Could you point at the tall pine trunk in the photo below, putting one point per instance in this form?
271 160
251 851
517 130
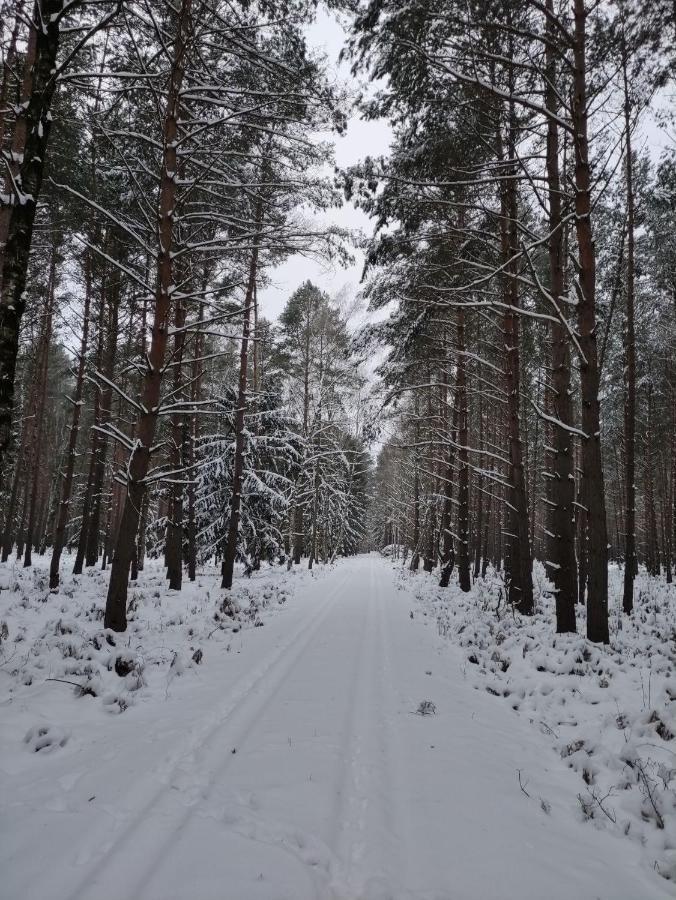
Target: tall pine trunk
561 516
593 492
116 601
31 136
463 459
41 400
629 363
230 550
518 561
67 486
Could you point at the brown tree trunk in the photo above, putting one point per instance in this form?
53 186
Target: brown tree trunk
652 555
41 400
561 516
94 439
8 531
518 562
196 393
116 601
8 73
298 514
230 549
592 465
21 531
415 547
317 451
463 459
671 510
629 364
448 551
478 525
31 136
174 533
105 413
67 486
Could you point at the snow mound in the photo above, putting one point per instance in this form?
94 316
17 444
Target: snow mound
44 738
59 637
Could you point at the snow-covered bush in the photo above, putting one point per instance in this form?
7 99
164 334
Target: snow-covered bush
610 710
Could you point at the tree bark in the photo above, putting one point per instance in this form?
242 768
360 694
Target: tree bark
196 392
230 551
463 459
448 550
518 563
629 362
41 399
116 601
174 533
592 466
113 285
67 486
31 138
561 518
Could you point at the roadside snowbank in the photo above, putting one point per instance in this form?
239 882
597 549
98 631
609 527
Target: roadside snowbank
59 637
610 712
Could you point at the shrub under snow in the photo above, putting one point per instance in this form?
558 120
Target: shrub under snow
610 711
60 636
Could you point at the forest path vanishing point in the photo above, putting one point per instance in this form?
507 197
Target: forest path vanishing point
300 768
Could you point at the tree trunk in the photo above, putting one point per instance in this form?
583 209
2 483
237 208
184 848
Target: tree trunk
105 413
518 563
174 534
231 541
561 516
592 465
94 440
629 364
41 400
8 70
478 525
67 487
652 555
448 551
415 551
317 451
9 531
116 601
463 459
196 389
31 136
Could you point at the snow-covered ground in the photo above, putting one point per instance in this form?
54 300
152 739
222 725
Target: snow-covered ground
292 761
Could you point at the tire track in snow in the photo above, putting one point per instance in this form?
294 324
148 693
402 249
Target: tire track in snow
399 773
366 836
111 865
346 821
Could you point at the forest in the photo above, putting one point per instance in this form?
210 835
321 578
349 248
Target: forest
481 433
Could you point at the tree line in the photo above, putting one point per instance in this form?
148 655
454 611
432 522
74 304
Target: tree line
160 159
524 254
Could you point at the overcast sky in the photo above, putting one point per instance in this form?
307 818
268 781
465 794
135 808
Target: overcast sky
361 139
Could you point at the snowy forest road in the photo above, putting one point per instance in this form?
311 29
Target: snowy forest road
301 770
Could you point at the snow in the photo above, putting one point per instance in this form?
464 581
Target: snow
609 712
293 760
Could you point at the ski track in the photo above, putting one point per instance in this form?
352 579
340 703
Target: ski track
219 735
336 790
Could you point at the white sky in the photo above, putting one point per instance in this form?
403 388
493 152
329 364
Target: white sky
361 139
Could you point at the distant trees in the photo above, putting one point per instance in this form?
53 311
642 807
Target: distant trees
504 320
